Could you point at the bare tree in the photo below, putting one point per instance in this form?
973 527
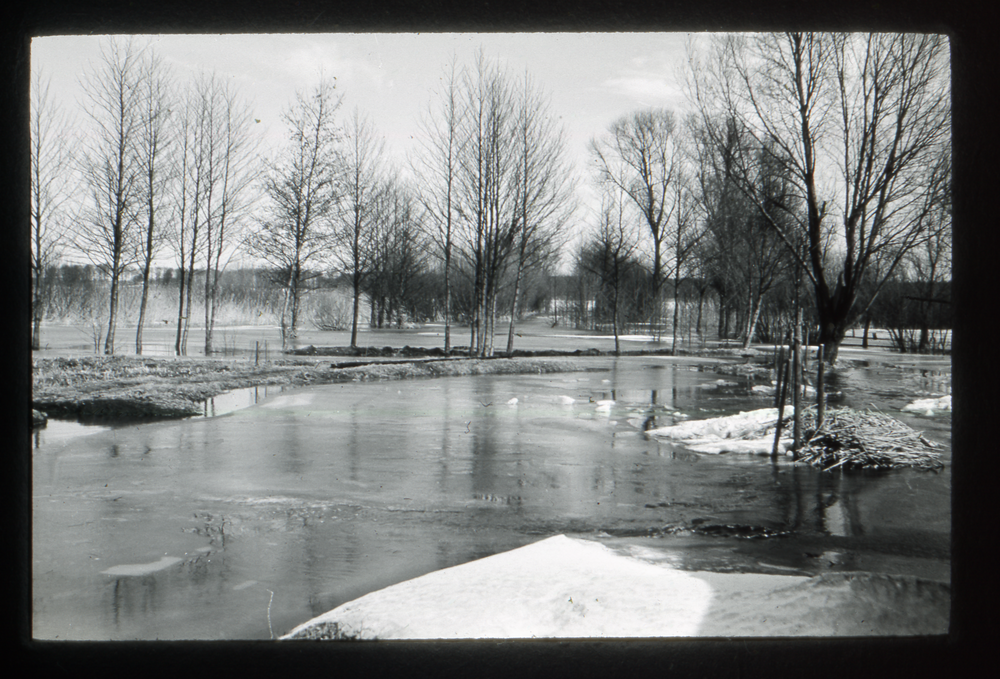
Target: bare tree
108 234
362 164
229 149
744 253
51 156
640 156
438 164
487 191
610 252
685 237
303 188
544 201
188 162
151 141
866 111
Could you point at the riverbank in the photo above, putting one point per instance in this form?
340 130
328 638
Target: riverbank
96 388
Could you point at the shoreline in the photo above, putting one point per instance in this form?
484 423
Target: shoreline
128 388
110 389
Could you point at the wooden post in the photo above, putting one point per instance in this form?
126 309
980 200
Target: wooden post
820 389
256 353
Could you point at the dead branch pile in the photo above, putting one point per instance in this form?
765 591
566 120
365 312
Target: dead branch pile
870 439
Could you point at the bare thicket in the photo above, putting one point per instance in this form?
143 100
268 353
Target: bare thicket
640 155
398 254
229 149
510 195
741 253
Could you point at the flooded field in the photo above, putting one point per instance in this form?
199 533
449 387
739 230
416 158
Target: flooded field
286 504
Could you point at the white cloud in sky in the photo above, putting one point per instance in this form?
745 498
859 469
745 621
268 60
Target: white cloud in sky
650 79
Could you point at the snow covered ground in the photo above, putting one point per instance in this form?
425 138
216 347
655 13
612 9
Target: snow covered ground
568 587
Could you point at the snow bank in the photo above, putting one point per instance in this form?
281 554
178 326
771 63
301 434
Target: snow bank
732 426
927 406
725 434
565 587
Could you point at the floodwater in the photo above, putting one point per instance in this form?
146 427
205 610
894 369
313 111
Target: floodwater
286 504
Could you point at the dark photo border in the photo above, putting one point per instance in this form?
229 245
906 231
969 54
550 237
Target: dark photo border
973 29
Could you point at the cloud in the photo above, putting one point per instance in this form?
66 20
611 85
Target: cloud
650 79
645 88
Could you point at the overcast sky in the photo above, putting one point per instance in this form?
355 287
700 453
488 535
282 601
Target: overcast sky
592 78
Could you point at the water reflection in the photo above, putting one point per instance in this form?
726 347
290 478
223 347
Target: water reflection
283 511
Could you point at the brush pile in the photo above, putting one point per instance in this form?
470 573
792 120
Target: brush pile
869 439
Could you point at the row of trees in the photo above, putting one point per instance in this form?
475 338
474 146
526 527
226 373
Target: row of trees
809 163
809 159
174 170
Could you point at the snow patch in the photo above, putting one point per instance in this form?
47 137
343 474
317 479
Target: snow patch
559 587
726 434
732 426
927 406
567 587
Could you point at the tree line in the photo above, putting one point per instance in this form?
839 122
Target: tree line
810 171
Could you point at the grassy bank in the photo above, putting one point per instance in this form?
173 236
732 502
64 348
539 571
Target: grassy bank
137 388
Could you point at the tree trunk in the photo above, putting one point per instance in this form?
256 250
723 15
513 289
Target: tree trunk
673 342
36 314
180 310
187 316
109 339
447 298
142 309
751 325
513 311
356 313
